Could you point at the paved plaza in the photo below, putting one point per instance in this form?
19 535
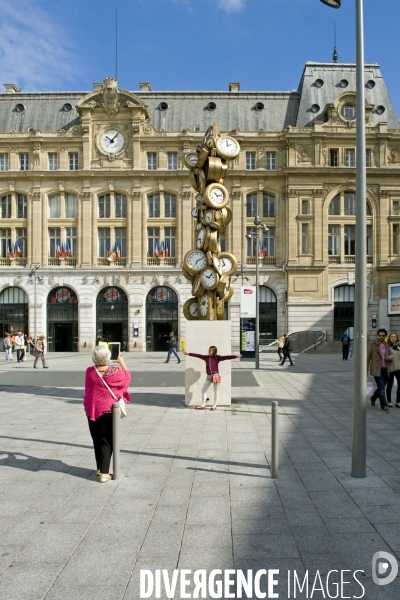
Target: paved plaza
195 489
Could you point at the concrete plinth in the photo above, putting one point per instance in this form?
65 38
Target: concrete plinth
200 335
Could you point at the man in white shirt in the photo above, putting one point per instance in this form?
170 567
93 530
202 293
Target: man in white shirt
20 343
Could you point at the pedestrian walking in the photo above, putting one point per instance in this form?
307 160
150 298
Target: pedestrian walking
393 367
212 361
346 341
8 346
39 351
280 341
172 343
287 350
376 365
20 345
30 344
104 385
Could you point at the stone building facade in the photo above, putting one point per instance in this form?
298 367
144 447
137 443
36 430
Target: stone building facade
83 175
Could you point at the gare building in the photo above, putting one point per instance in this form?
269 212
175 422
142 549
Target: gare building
94 191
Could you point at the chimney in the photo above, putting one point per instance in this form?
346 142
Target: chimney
234 87
98 86
11 88
145 87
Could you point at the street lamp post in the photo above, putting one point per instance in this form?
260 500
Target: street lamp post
359 450
34 277
254 234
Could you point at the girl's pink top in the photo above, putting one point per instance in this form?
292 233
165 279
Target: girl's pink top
97 400
212 362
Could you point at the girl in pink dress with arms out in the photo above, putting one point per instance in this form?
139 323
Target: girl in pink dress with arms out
212 361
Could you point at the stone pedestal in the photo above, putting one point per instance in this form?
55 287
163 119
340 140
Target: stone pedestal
200 335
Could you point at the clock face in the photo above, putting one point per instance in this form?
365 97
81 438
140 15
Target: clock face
228 147
200 238
196 285
196 260
217 265
209 278
194 211
217 196
226 265
112 141
193 309
208 217
204 305
199 226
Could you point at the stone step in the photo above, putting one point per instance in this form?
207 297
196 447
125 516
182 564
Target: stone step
334 347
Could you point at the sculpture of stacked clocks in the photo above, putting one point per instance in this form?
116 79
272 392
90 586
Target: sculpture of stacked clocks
209 269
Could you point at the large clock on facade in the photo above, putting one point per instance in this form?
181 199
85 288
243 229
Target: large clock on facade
111 141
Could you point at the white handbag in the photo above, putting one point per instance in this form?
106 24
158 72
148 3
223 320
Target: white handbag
120 402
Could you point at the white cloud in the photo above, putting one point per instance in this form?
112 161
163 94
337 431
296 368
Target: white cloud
230 6
36 51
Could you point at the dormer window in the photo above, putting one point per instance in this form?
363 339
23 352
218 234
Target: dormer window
349 112
343 83
319 83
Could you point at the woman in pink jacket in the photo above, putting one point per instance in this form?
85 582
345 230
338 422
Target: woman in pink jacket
212 361
98 401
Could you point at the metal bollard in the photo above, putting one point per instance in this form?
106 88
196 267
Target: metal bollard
274 444
116 419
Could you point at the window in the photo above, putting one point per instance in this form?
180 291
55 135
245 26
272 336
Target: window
120 206
71 206
70 238
3 162
334 207
222 241
268 245
22 202
55 207
5 207
120 239
250 160
54 241
395 207
5 242
268 206
172 160
153 206
304 238
53 161
304 207
170 241
104 207
153 242
368 158
349 203
20 238
350 240
271 161
334 158
396 245
369 240
350 156
151 161
103 234
349 111
334 240
23 162
73 161
170 206
252 205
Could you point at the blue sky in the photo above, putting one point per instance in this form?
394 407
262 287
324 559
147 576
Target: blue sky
187 44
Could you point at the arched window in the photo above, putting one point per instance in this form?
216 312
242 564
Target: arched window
252 205
55 206
342 232
71 206
345 204
153 206
120 206
104 206
268 205
169 206
22 203
349 111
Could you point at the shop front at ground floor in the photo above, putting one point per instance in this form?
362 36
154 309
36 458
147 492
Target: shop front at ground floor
75 311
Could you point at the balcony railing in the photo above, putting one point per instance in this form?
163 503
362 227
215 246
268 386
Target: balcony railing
262 260
17 262
161 262
348 259
69 261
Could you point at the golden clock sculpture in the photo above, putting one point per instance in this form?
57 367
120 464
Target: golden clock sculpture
207 268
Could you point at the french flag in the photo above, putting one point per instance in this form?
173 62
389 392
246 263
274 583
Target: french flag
108 250
264 248
117 249
166 249
17 250
257 245
58 249
162 249
156 249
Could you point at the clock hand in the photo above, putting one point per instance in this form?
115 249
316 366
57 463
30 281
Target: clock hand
110 140
114 136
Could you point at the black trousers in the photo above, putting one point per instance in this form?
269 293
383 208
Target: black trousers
390 385
346 349
101 431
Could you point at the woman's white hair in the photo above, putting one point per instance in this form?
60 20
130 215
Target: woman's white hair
101 355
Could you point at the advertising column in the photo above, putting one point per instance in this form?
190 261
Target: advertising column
248 321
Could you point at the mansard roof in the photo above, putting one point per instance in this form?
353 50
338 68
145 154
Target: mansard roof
191 110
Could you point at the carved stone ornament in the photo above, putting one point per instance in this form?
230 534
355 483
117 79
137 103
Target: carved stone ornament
293 193
186 194
11 184
385 193
110 98
61 132
85 194
373 190
394 155
318 193
76 130
304 154
328 189
147 129
135 128
85 129
95 163
135 194
236 194
35 195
